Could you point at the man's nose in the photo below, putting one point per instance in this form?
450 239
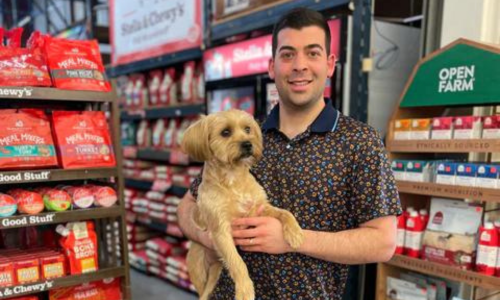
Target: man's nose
300 63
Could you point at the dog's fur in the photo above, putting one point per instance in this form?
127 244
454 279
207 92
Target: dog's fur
229 143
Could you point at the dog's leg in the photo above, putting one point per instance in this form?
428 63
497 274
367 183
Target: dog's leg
197 267
213 277
291 229
234 263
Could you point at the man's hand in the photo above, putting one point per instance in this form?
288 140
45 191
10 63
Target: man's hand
260 234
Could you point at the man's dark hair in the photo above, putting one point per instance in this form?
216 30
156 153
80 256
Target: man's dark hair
299 18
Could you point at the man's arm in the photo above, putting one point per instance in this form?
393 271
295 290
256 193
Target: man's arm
186 221
373 241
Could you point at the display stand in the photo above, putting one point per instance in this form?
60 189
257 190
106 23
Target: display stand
113 257
426 96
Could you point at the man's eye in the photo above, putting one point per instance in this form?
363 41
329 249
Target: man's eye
225 133
314 54
287 55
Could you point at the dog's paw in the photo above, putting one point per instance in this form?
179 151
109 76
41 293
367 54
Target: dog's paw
293 235
245 291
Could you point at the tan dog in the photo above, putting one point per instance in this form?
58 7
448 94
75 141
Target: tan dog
229 143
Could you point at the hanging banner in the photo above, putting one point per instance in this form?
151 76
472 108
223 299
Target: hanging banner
463 73
251 57
143 29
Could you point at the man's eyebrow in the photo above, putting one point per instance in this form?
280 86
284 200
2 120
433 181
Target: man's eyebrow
311 46
285 47
314 46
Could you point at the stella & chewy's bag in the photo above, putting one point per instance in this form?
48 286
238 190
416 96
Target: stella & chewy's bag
83 139
76 65
23 66
79 242
25 139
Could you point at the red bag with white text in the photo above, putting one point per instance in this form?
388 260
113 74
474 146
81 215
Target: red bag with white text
25 139
79 242
83 139
23 66
76 65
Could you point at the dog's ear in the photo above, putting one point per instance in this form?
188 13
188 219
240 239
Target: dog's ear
258 136
195 140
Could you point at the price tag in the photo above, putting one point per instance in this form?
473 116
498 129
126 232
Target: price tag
130 152
160 185
177 157
137 112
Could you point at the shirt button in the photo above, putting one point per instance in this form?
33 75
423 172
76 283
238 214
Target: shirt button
289 146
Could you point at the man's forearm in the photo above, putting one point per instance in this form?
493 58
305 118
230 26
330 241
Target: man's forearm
357 246
186 223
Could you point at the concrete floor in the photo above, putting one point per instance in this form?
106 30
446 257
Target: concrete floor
146 287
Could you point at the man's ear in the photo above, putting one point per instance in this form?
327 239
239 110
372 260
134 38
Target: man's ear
195 142
271 68
331 64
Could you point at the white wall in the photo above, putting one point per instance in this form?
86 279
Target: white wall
385 85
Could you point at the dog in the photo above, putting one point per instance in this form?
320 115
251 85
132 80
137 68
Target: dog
228 143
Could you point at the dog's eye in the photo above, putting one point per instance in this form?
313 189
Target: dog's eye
226 132
247 129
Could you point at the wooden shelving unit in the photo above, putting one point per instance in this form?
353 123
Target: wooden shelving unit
182 110
113 256
428 102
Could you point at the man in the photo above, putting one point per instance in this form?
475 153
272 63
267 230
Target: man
329 170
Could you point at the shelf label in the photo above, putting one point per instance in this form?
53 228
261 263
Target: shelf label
22 289
24 177
455 145
28 220
16 92
161 185
130 152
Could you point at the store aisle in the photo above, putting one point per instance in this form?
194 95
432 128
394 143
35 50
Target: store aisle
146 287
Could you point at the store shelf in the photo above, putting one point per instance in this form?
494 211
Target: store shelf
59 217
455 274
39 93
155 62
164 112
266 17
145 185
174 157
32 288
449 191
444 146
47 175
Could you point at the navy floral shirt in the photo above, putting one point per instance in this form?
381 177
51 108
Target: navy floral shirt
332 177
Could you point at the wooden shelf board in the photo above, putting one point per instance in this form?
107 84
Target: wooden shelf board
45 218
444 146
449 191
148 185
46 93
32 288
45 175
448 272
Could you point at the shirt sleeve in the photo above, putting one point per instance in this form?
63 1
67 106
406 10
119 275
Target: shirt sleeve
375 193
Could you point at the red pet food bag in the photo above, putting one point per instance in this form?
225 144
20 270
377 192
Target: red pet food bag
76 65
83 139
23 66
79 242
25 139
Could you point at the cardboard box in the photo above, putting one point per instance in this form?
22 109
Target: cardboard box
466 174
450 249
402 129
442 128
398 169
468 127
487 176
418 170
446 173
420 129
491 127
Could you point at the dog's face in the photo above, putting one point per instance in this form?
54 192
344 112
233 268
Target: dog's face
230 137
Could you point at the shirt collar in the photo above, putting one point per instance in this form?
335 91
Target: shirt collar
325 122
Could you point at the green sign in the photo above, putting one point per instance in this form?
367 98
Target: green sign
464 74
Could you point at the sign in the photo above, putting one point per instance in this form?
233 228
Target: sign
143 29
13 177
251 57
464 73
27 220
25 289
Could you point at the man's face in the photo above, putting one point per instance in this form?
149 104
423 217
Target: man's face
300 66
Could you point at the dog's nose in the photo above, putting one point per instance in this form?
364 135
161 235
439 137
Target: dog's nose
246 146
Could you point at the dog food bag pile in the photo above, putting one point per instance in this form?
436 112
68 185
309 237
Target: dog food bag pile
139 260
107 289
76 65
137 236
165 257
30 265
79 242
83 139
25 140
